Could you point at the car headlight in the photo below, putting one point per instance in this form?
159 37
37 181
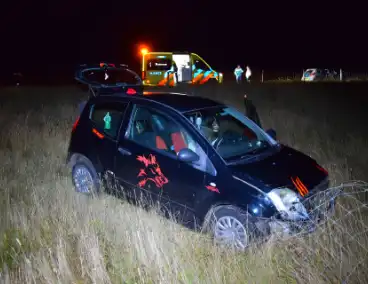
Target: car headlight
288 204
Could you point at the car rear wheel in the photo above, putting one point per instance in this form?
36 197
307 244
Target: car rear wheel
230 227
85 177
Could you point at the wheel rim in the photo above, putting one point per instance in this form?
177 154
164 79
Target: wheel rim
83 180
229 231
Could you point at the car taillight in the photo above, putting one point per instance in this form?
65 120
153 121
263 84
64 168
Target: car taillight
143 75
75 124
102 64
131 91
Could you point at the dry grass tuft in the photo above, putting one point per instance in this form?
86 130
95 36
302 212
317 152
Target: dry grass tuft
49 234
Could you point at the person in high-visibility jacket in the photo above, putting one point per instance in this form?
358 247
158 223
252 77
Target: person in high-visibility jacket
238 72
173 70
248 73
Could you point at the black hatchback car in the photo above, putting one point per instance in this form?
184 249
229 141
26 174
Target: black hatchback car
197 157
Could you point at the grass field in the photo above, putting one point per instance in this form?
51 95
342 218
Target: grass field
49 234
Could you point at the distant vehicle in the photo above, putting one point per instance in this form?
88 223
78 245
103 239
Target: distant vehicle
202 160
191 69
315 74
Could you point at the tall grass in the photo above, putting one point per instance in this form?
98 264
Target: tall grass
50 234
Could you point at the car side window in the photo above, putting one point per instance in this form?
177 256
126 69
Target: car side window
107 117
153 129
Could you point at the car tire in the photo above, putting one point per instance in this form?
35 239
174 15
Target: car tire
212 82
230 227
85 177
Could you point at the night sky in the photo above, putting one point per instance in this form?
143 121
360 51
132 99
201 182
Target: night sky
54 36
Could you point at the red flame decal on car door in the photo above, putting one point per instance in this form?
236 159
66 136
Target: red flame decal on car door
151 172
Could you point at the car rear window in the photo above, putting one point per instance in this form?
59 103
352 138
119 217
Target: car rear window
107 117
158 64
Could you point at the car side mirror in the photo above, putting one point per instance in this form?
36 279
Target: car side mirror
272 133
188 156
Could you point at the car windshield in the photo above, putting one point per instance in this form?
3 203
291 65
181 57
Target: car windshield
309 72
231 133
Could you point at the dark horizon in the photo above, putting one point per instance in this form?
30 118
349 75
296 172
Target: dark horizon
41 37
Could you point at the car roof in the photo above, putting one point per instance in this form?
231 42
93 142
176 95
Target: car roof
178 101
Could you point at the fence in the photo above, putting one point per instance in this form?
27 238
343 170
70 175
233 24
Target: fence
267 75
341 75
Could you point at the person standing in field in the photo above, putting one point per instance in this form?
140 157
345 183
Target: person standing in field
248 74
238 72
174 71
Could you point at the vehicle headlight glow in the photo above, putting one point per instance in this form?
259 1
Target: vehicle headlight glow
288 204
220 77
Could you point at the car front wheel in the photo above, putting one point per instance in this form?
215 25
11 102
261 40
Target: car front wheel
230 227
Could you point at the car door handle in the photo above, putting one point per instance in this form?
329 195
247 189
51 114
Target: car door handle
124 151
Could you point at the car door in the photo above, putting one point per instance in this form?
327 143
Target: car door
138 164
147 160
105 121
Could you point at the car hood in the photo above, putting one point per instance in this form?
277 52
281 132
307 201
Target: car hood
285 168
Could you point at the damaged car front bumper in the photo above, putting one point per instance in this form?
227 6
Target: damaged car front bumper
320 207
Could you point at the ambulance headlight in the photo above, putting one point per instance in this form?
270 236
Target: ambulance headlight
220 77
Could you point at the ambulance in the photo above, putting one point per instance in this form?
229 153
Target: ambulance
158 69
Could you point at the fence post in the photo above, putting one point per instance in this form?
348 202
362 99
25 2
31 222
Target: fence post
340 74
262 76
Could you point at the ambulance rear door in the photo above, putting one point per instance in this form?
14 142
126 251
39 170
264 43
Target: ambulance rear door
183 63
